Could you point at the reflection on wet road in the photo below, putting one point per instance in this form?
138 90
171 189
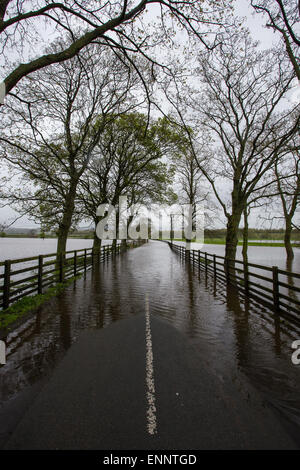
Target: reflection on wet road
236 338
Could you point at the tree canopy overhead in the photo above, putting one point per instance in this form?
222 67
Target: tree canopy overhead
27 25
283 16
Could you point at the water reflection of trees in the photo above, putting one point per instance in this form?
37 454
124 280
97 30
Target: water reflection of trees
115 289
244 310
240 323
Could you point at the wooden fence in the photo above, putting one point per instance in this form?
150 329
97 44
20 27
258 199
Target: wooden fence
271 286
28 276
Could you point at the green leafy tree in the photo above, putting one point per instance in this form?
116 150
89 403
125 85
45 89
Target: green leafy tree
50 136
128 161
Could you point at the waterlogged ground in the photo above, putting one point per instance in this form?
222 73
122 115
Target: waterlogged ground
265 255
14 248
240 341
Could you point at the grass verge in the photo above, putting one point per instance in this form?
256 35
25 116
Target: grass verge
218 241
27 304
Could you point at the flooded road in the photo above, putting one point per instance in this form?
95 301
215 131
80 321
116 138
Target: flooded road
240 342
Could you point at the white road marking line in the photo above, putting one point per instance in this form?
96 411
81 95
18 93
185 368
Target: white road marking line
151 411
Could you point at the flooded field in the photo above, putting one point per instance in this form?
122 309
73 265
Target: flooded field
265 255
12 248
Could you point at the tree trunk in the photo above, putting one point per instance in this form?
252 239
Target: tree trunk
233 223
291 280
66 222
233 220
62 239
287 239
189 229
232 235
96 243
245 237
129 220
115 240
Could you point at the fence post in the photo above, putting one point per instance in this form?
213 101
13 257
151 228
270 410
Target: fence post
275 287
40 275
205 262
61 267
215 267
75 262
6 287
84 260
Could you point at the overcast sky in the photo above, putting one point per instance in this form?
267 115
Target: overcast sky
256 25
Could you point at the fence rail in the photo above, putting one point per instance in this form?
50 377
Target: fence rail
28 276
271 286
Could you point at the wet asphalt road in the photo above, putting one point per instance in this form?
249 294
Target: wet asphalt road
96 399
97 395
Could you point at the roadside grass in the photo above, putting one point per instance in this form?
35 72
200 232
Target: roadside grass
219 241
27 304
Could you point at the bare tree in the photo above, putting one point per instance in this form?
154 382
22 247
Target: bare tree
239 107
192 187
117 24
287 172
283 189
283 16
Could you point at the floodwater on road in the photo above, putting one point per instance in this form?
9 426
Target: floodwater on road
240 340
